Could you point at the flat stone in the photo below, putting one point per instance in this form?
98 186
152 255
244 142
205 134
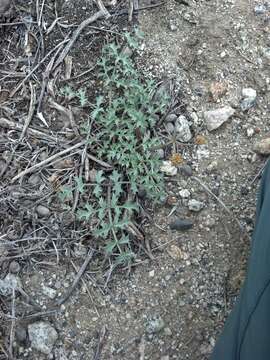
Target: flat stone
42 336
181 224
215 118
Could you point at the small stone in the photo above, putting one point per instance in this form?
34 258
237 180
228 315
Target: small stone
155 326
42 336
160 153
184 193
181 224
186 170
168 168
9 283
14 267
42 211
213 166
49 292
167 331
263 147
249 98
172 26
250 132
176 253
215 118
182 129
223 54
170 127
217 90
171 118
195 205
34 179
260 9
20 334
152 273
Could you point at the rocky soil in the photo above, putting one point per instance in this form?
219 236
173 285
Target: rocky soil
172 306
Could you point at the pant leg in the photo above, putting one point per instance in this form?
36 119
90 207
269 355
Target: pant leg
246 335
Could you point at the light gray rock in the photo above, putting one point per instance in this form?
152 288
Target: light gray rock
168 168
171 118
154 326
14 267
42 336
182 129
195 205
42 211
215 118
249 98
49 292
9 283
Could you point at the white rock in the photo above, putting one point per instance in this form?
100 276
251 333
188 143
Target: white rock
182 129
42 336
250 132
195 205
50 292
168 168
215 118
9 283
184 193
249 93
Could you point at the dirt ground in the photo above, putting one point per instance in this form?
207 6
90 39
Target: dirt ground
172 306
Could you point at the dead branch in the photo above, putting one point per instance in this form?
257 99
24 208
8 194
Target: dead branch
99 15
77 278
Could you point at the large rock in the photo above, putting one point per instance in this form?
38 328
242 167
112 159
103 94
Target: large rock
42 336
263 147
215 118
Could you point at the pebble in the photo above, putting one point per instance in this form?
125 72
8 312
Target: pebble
249 98
170 127
42 211
168 168
154 326
186 170
9 283
172 27
42 336
262 147
184 193
20 334
152 273
181 224
167 331
182 129
34 179
215 118
250 132
176 253
14 267
195 205
260 9
49 292
171 118
160 153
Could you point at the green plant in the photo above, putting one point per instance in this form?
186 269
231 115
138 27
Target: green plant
123 124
